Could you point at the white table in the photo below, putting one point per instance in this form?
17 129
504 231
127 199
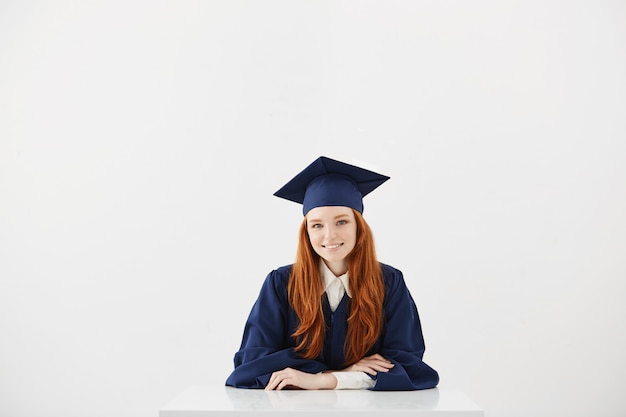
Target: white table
221 401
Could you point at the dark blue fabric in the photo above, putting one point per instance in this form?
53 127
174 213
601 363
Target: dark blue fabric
267 345
328 182
332 190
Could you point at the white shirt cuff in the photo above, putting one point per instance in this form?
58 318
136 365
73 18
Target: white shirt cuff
353 380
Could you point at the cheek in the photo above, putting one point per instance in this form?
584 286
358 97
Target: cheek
313 238
353 234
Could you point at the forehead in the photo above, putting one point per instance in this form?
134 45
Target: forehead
329 212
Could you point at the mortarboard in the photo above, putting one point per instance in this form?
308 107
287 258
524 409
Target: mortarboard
327 182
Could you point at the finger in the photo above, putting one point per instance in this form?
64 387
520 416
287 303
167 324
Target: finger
377 366
382 365
379 362
378 359
375 356
369 370
373 367
280 383
283 384
271 384
364 368
274 380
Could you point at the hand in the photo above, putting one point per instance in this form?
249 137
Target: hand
292 378
372 365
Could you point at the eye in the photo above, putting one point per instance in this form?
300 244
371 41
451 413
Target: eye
342 222
316 226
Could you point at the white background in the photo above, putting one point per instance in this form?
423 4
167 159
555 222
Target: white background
141 142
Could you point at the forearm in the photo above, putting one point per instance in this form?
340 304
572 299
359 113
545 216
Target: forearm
293 378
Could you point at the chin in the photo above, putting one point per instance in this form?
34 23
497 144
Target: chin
334 258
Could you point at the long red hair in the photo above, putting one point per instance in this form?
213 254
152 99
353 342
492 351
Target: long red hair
366 307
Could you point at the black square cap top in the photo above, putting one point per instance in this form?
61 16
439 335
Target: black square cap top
328 182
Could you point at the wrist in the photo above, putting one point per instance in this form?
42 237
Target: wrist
329 381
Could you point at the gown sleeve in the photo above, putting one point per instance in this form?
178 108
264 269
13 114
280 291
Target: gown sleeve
402 340
266 346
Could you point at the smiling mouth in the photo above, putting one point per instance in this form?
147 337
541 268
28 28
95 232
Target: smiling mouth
332 246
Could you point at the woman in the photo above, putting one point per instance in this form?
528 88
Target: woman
336 318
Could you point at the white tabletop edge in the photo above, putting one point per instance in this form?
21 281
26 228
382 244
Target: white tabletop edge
222 401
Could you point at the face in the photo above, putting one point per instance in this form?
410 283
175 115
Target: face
332 232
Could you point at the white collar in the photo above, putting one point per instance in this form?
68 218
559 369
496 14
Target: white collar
329 277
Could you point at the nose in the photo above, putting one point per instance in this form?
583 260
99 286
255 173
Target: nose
329 232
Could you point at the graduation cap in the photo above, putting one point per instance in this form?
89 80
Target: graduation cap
327 182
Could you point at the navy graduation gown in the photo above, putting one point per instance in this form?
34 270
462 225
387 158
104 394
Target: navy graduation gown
267 345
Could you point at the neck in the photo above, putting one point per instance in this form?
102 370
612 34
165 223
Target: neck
337 268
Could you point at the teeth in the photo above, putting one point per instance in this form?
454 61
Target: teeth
332 246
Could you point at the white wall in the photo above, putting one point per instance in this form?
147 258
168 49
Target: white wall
141 142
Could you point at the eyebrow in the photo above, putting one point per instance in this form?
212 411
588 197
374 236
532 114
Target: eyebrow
319 220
